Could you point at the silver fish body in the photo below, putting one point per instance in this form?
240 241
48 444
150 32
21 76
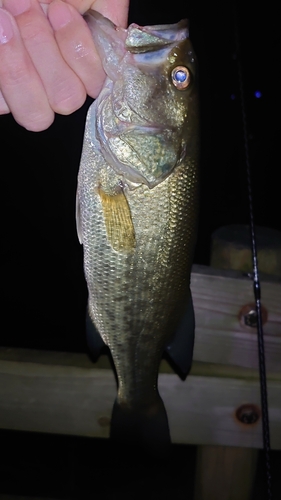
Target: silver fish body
137 203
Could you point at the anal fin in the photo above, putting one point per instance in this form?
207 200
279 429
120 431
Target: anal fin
94 341
180 348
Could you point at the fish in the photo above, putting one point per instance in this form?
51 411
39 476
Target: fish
137 210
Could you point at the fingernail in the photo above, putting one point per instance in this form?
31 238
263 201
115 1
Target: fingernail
17 7
6 28
59 15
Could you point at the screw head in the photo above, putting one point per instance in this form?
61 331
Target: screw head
248 414
250 319
248 316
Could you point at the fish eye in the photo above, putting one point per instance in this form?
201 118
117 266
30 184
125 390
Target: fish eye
181 77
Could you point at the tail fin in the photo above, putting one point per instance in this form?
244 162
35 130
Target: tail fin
146 427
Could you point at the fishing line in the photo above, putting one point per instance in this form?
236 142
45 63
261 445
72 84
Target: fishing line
255 274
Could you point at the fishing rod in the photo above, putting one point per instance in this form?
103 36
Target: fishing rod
255 268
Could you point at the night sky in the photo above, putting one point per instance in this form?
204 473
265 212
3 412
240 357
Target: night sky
41 260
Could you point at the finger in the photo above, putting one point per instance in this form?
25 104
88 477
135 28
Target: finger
76 45
44 7
115 10
4 108
64 89
19 82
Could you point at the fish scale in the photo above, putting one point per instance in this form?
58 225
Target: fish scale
137 224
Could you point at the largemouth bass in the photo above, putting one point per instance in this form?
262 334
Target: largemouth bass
137 210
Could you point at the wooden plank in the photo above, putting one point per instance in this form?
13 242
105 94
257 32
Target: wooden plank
231 249
221 337
77 400
82 360
225 473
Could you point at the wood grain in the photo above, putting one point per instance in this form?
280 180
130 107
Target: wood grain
76 399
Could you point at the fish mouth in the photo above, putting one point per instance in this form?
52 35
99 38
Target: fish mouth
142 39
138 41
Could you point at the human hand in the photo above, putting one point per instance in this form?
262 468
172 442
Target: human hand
48 60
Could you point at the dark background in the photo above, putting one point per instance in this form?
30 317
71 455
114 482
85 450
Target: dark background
43 289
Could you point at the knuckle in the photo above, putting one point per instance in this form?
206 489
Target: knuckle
36 32
15 76
69 101
14 72
38 122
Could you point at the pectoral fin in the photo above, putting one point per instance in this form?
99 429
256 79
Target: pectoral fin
118 221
